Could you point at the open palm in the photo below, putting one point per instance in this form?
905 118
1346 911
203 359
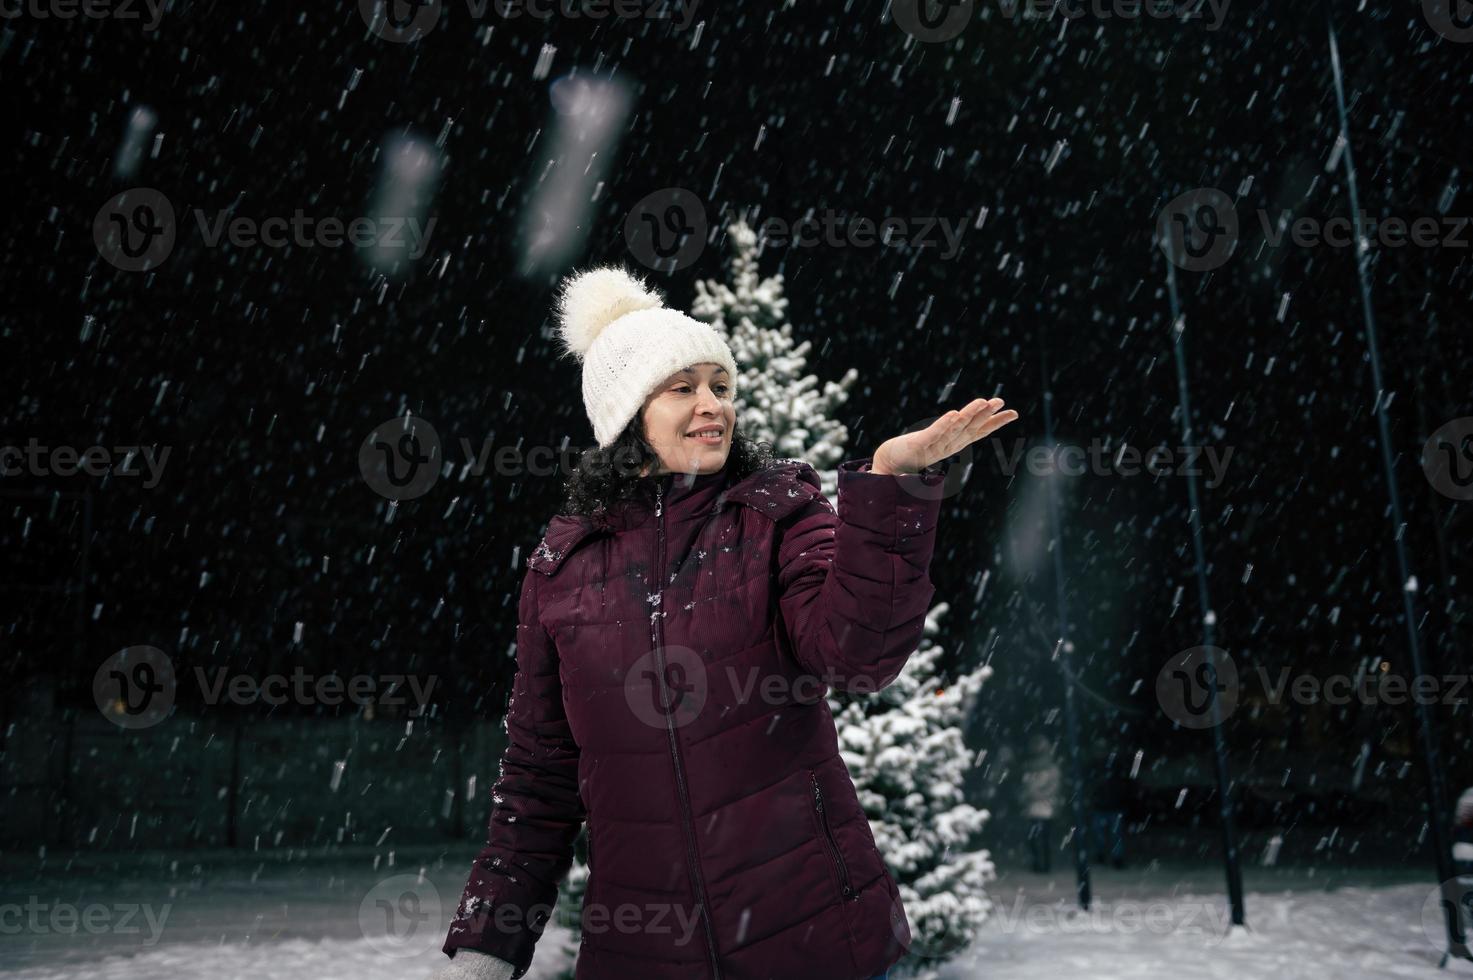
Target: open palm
949 434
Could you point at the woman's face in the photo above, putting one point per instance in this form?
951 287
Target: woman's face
689 401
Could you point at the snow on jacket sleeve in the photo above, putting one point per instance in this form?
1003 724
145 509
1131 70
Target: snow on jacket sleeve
855 586
537 811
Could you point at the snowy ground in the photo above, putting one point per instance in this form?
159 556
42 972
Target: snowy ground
1339 935
346 919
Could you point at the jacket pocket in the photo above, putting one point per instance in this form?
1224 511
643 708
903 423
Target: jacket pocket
826 836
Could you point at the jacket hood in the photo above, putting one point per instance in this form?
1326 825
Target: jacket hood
776 491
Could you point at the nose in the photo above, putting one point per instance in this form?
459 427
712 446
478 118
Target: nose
708 403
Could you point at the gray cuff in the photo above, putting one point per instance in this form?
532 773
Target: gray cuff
468 964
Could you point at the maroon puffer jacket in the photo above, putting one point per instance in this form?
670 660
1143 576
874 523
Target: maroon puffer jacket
672 666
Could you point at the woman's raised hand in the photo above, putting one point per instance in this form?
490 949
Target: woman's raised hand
951 433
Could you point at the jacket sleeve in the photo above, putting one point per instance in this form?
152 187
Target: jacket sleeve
855 585
536 810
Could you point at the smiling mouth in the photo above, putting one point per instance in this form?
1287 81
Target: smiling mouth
706 435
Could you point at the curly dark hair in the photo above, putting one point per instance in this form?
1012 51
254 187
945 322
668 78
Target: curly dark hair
610 477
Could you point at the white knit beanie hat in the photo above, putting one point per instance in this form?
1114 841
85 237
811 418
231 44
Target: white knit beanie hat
628 343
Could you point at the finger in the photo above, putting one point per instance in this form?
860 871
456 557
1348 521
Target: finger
959 419
982 408
983 419
958 428
980 405
972 417
996 422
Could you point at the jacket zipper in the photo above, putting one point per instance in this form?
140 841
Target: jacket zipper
656 637
828 839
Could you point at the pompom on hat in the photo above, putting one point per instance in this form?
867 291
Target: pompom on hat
1464 813
628 342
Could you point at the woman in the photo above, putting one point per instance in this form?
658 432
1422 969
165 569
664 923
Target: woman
679 624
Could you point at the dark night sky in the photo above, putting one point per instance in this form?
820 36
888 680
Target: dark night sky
264 368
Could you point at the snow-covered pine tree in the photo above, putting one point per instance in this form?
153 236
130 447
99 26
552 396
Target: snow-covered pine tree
904 750
564 929
778 401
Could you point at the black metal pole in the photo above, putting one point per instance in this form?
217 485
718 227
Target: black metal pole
1426 729
1231 862
1064 649
232 799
